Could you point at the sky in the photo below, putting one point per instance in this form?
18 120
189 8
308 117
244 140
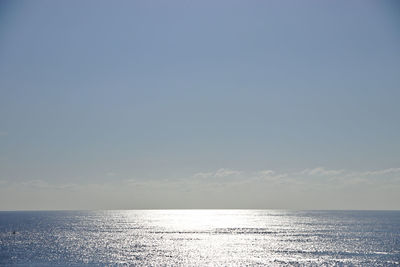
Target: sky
199 104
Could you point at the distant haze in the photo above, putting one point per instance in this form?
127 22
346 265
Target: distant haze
199 104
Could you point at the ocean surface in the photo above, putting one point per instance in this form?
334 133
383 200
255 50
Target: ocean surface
200 237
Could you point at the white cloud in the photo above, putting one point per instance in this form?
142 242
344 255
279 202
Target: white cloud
226 172
266 173
203 175
381 172
321 171
271 176
217 174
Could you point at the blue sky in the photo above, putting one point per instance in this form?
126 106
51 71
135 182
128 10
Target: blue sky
101 93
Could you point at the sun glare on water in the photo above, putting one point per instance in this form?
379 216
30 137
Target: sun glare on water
199 220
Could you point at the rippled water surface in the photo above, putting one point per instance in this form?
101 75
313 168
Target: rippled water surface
200 237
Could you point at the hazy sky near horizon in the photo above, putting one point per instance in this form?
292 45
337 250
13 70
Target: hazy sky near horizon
199 104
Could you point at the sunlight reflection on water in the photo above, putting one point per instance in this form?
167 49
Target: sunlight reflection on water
200 237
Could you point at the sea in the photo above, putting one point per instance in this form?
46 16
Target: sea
200 238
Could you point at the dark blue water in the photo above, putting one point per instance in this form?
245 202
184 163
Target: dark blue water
200 237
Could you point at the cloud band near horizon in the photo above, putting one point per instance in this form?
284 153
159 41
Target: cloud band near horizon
313 188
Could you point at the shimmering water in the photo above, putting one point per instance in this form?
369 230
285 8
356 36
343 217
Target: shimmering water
200 237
